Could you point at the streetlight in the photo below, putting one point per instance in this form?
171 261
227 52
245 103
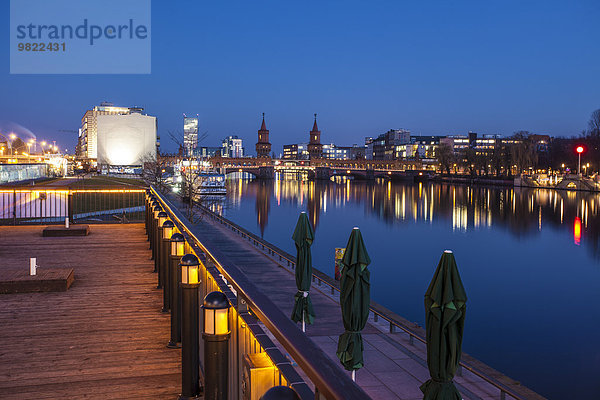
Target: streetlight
216 345
190 340
579 150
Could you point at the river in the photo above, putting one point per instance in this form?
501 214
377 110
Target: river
529 260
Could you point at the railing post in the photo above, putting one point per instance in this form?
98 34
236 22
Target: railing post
70 207
14 207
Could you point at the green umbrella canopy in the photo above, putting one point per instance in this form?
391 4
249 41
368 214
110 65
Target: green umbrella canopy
445 307
355 300
303 237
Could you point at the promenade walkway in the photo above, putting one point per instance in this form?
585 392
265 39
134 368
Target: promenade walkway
102 339
394 368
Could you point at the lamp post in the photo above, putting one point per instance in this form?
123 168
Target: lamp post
161 218
216 335
190 346
167 231
177 251
579 150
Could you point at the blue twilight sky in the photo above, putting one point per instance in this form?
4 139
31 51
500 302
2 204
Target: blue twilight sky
434 67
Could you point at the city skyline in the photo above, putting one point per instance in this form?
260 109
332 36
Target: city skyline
434 69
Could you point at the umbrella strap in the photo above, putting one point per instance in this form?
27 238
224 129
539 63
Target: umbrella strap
442 381
353 331
304 293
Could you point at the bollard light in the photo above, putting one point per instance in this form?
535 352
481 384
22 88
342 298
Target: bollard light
177 244
216 335
189 269
156 208
167 231
162 217
177 251
190 340
168 228
216 310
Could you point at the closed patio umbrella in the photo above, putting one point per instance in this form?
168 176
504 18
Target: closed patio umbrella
355 299
303 237
445 307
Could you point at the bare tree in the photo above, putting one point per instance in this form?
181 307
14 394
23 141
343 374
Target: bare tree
190 187
445 157
594 124
153 170
523 153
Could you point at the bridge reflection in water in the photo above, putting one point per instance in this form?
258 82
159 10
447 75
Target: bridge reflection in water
519 210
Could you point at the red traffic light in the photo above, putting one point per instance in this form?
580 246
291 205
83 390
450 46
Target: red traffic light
579 149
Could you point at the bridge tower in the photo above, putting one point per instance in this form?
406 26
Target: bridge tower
315 148
263 147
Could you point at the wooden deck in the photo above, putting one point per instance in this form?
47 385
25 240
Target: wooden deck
104 338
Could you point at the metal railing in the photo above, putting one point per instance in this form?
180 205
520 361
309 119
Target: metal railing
255 319
47 206
282 257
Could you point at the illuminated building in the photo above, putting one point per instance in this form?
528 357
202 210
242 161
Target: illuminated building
315 148
232 147
190 134
87 146
125 139
263 147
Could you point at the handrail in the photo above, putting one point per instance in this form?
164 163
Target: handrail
321 277
328 378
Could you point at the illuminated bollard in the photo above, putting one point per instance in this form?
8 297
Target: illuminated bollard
156 208
167 231
216 335
161 218
147 201
280 393
177 251
190 346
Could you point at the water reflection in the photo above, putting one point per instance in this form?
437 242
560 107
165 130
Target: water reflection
521 211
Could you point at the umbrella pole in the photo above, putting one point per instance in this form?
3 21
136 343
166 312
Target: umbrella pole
303 323
354 375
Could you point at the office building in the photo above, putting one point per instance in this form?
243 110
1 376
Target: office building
87 145
125 139
232 147
190 135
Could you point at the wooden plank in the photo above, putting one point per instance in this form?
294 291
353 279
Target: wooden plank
103 338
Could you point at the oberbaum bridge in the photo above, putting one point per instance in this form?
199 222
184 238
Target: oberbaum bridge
108 291
315 167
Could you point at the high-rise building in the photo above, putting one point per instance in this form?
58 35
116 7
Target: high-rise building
232 147
263 147
315 148
190 135
87 145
